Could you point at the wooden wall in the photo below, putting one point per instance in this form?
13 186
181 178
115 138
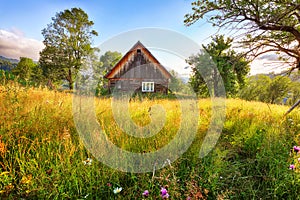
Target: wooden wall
138 69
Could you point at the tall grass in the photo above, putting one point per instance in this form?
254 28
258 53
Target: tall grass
42 156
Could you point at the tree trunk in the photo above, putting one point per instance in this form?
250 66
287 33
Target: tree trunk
70 80
215 80
50 84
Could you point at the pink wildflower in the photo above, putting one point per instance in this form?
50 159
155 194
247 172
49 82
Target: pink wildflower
292 167
146 193
164 193
296 149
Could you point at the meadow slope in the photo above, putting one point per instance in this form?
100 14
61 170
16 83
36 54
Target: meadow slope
42 156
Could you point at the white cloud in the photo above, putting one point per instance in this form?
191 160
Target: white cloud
13 44
268 64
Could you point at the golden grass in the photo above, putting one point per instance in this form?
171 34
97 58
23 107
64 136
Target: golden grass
38 135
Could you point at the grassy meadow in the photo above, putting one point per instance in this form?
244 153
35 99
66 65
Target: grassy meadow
42 156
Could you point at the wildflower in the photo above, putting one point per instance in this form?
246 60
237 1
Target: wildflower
292 167
109 184
296 149
166 196
146 193
117 190
164 193
88 161
298 159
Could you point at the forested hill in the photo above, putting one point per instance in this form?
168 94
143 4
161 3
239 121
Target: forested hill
7 63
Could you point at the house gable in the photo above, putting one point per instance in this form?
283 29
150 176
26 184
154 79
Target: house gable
129 61
138 70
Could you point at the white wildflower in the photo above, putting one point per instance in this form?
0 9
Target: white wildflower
117 190
88 161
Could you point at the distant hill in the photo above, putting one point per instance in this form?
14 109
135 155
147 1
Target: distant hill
11 60
8 64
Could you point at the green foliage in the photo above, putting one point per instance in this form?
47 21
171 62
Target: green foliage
232 67
110 59
24 68
177 85
279 88
67 43
294 93
264 23
263 88
197 81
6 76
107 62
256 88
28 72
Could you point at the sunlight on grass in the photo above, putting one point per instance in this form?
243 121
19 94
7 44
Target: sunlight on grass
41 155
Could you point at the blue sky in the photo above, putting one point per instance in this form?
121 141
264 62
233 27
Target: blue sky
29 17
23 20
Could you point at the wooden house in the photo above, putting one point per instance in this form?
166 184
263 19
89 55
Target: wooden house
138 71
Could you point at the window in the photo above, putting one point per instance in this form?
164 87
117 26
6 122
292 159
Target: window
147 86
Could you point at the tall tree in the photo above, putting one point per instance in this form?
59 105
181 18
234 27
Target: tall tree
67 43
265 25
109 59
198 80
230 65
107 62
24 68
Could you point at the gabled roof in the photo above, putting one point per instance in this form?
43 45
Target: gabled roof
133 49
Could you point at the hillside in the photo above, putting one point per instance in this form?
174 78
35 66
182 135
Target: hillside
42 155
7 64
11 60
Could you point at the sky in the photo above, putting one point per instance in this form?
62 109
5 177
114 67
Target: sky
23 20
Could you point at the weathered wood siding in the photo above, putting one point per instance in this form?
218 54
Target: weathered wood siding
134 70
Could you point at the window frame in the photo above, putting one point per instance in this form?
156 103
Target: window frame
148 86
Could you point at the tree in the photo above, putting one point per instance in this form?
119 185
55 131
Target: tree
256 88
177 84
197 81
37 76
294 95
278 89
263 88
110 59
231 66
28 71
24 68
266 26
67 43
107 62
